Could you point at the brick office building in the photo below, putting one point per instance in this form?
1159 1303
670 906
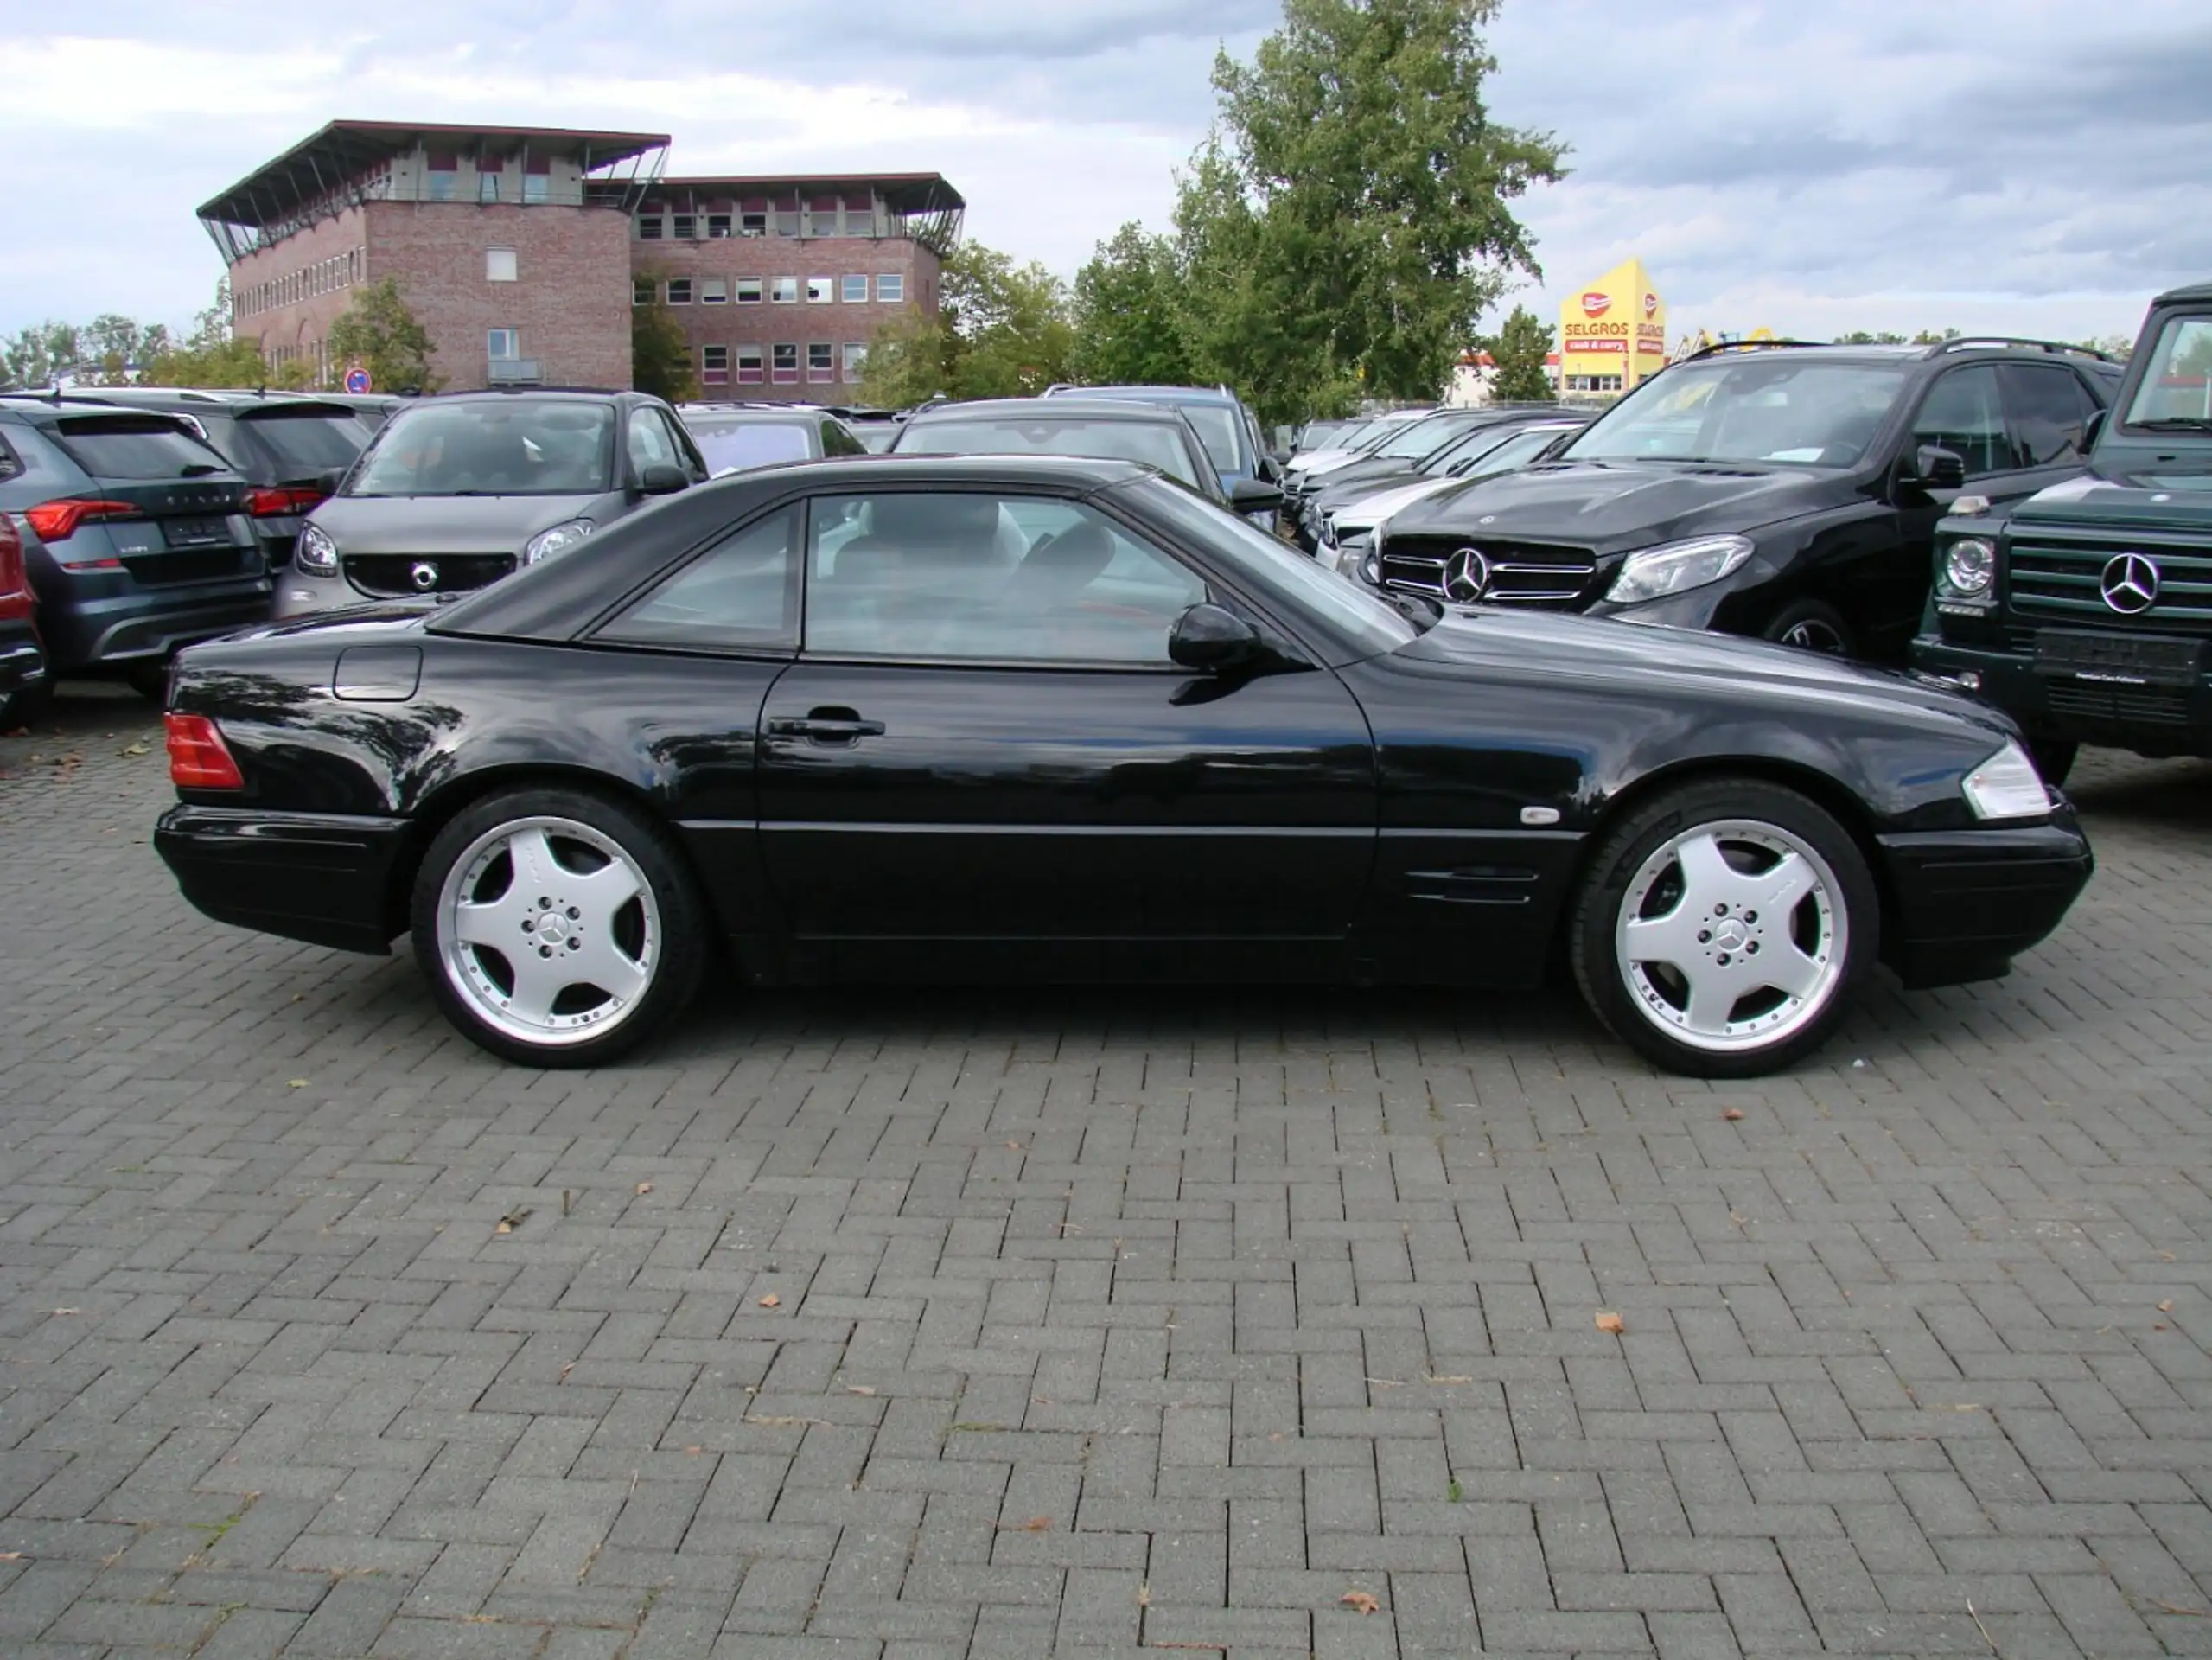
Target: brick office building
521 251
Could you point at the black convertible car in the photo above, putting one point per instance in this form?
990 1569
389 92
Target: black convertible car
1027 718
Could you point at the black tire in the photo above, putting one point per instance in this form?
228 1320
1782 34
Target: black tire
1814 625
26 708
149 680
677 962
2054 759
1596 956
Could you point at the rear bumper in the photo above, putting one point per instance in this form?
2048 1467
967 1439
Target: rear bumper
1968 901
324 878
150 624
22 658
2149 720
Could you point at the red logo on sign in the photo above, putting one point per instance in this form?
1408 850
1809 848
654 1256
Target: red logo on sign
1595 304
1651 305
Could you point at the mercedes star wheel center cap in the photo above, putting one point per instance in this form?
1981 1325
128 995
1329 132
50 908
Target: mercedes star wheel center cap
2130 584
1466 575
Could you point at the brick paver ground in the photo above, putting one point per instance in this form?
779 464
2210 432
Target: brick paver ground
1005 1324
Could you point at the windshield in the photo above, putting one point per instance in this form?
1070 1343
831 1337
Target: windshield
1280 573
1516 448
1415 439
135 446
2176 383
1155 442
734 446
877 437
310 442
505 448
1763 406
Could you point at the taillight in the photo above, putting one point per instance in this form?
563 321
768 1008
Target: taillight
16 602
272 501
57 521
198 757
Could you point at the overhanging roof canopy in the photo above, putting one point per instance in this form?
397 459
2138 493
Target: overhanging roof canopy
903 193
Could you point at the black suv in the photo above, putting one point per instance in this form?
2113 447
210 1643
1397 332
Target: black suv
2084 610
1784 490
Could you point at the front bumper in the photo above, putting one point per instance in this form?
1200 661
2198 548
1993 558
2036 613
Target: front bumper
2152 720
324 878
1968 902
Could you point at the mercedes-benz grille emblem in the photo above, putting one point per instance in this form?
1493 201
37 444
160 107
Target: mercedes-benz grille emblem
423 575
2130 584
1466 574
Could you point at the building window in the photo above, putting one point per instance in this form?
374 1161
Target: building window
536 187
784 291
753 223
488 186
820 291
648 227
714 365
714 291
856 290
717 227
502 345
749 290
856 358
440 169
498 264
679 291
787 219
821 362
686 227
890 288
642 291
784 367
748 366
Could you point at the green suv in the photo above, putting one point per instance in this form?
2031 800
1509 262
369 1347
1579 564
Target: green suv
2083 610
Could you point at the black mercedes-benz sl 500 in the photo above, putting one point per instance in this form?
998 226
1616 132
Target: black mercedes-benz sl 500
1024 719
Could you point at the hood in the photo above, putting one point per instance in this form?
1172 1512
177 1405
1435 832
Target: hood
1324 460
1366 512
1647 660
1613 506
444 524
2158 492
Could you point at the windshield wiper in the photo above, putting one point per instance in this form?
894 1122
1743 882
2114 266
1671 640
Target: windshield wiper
2176 424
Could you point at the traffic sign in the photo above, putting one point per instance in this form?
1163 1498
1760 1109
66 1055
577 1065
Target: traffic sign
357 378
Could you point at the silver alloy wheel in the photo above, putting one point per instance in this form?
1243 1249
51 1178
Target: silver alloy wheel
1732 936
1812 633
548 930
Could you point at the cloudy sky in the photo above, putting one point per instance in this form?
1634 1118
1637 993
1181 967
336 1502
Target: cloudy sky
2022 165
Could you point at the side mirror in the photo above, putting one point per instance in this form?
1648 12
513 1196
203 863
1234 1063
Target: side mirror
1255 495
2096 425
1937 468
662 478
1210 638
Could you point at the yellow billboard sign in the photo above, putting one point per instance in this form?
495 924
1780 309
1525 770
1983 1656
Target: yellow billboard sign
1616 326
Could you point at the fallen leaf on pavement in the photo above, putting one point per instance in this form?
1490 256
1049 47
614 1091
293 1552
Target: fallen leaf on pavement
2166 1307
1608 1321
859 1389
1733 1113
771 1302
645 1187
1361 1600
134 749
296 1083
1036 1524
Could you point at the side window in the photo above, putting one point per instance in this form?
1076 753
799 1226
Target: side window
2050 409
11 465
650 444
988 578
742 594
836 441
1963 414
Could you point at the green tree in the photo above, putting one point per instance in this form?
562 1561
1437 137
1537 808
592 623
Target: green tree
212 354
660 352
34 356
1371 189
1130 314
378 330
1861 337
1519 349
1000 330
1930 337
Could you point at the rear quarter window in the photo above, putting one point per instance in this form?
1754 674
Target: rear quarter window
135 447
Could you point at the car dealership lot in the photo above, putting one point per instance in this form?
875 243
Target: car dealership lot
957 1322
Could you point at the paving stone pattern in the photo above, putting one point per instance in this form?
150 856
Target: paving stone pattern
941 1324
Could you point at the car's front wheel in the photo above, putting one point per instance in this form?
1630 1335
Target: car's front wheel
1724 927
558 928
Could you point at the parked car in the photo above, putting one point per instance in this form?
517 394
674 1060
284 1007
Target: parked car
1044 719
1159 435
735 438
2084 610
1224 425
374 408
1346 447
1348 525
456 492
291 451
1781 490
1408 450
133 531
23 654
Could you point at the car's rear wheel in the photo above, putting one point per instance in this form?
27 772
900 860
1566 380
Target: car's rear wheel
25 708
558 928
148 680
1724 928
1814 625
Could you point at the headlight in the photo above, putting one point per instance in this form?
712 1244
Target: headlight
315 552
559 539
2006 786
1352 553
1677 567
1970 564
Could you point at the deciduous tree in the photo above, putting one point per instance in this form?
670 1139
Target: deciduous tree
379 330
1130 327
660 352
1519 349
1000 330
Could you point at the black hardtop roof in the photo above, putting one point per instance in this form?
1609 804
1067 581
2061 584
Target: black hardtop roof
1060 407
